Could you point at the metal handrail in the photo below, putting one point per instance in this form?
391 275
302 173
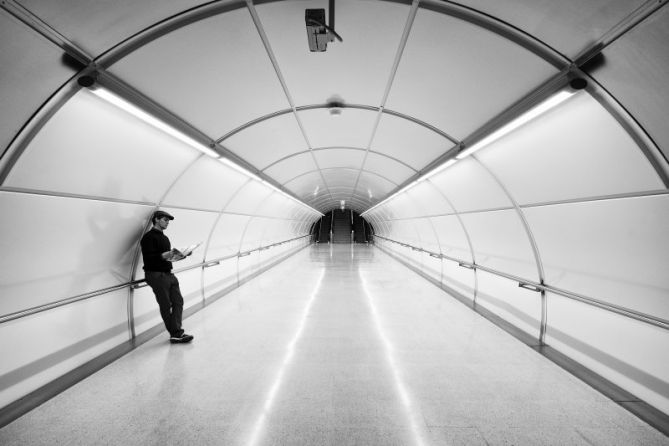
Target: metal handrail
535 286
133 284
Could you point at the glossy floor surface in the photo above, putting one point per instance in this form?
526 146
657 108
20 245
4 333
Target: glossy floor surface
338 345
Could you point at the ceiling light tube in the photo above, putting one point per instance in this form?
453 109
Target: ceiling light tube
541 108
128 107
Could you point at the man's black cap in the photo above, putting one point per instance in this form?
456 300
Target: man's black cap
161 214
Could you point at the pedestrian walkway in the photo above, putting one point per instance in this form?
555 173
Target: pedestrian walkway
338 345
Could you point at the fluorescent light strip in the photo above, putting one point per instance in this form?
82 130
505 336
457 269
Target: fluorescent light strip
121 103
251 175
543 107
126 106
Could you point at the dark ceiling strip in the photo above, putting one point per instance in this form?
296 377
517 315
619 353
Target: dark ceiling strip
499 27
166 26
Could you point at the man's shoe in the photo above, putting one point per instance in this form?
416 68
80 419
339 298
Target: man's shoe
184 338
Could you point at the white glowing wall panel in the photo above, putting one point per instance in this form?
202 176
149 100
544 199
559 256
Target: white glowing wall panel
226 237
613 250
252 237
459 279
470 187
219 277
206 184
505 298
576 150
429 200
190 283
47 345
249 199
630 353
501 242
57 248
101 150
452 237
428 238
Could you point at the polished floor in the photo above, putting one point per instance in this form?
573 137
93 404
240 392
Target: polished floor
338 345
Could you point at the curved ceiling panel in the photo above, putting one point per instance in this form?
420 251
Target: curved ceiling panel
98 26
267 141
290 167
209 86
408 142
352 128
306 186
390 168
548 20
339 157
348 70
635 72
35 64
456 76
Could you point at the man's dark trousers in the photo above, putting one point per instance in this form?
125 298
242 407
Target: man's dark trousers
166 288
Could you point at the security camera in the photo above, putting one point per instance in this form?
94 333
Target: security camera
318 33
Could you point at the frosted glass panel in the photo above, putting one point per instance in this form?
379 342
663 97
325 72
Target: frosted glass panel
227 236
190 283
613 250
47 345
500 242
429 200
630 353
470 187
505 298
101 150
219 277
452 238
249 198
543 161
459 279
428 239
72 247
207 184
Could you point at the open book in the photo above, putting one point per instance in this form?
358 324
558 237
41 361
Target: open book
180 254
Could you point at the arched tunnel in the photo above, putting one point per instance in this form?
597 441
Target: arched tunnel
415 221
